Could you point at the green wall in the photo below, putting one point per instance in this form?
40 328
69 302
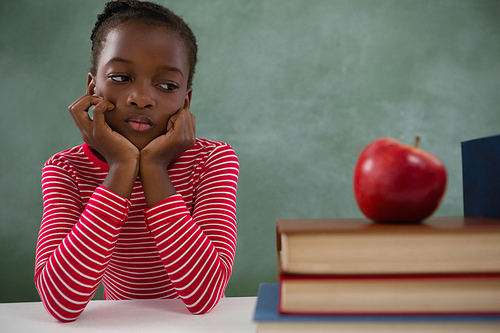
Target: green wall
298 88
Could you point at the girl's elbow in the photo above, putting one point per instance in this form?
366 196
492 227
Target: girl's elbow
203 308
63 317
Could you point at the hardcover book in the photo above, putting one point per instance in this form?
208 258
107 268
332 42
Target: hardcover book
269 319
352 246
391 294
481 183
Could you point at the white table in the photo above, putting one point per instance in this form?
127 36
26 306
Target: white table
232 314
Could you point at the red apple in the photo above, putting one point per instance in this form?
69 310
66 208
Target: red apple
396 182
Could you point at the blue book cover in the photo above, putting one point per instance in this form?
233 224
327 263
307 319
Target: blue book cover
266 310
481 177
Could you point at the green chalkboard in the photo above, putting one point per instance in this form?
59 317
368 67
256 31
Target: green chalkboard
297 87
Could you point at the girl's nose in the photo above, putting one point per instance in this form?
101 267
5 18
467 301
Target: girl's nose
141 97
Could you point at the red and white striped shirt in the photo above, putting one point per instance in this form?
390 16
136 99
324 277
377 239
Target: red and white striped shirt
183 247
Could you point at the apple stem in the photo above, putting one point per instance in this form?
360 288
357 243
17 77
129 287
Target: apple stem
417 141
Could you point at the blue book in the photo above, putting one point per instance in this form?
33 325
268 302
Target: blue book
481 177
269 319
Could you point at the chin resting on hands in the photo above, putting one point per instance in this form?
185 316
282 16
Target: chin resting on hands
179 137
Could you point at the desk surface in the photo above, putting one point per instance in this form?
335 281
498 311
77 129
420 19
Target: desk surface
233 314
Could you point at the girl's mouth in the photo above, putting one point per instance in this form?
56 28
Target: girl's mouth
139 123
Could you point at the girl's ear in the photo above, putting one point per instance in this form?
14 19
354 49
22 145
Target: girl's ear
90 84
187 99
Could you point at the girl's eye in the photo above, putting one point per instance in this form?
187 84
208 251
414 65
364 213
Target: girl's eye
120 78
168 86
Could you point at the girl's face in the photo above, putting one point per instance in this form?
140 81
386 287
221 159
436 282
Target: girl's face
143 71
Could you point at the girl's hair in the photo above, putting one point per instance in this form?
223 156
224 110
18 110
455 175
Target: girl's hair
121 11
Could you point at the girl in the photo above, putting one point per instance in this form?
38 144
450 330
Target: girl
143 205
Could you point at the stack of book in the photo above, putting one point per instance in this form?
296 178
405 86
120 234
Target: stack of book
445 267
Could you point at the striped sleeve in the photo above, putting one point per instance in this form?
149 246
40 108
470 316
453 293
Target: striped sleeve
74 244
198 249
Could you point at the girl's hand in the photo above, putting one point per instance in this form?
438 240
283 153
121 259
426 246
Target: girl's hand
157 155
120 154
179 137
114 147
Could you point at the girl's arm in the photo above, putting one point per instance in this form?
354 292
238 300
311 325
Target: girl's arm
197 249
156 156
74 244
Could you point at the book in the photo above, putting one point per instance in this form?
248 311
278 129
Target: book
391 294
481 184
269 319
353 246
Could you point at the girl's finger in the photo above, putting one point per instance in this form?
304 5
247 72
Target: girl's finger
99 110
193 122
77 101
84 103
78 111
